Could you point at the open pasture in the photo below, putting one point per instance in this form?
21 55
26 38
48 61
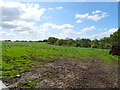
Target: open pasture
22 57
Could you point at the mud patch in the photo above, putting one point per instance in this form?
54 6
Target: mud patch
64 74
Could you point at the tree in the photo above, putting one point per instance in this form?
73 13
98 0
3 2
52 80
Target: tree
52 40
95 43
45 40
70 42
7 40
103 43
115 38
60 42
83 43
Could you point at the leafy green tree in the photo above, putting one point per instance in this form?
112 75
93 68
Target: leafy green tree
77 43
103 43
60 42
107 46
105 40
7 40
52 40
83 43
70 42
95 43
115 38
45 40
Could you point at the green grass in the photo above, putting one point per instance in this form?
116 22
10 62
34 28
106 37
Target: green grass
19 57
33 83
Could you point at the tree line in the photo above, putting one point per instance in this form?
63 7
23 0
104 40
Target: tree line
45 40
103 43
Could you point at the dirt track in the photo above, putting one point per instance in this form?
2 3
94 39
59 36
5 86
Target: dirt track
82 74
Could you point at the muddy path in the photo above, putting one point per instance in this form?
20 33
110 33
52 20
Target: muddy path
68 74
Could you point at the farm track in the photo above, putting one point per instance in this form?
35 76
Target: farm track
77 74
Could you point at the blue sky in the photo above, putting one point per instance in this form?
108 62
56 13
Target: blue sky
40 20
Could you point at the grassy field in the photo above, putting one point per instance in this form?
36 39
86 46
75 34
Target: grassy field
19 57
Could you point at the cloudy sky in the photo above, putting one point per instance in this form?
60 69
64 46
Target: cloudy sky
40 20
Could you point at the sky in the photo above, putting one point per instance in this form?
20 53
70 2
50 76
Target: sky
41 20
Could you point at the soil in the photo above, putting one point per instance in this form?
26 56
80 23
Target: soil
79 74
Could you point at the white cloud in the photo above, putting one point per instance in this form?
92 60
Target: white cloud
20 17
17 15
68 31
101 35
3 33
105 34
64 30
44 30
50 8
103 29
88 29
25 32
80 33
79 21
48 26
66 26
18 25
34 16
82 16
18 11
97 11
96 15
59 7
